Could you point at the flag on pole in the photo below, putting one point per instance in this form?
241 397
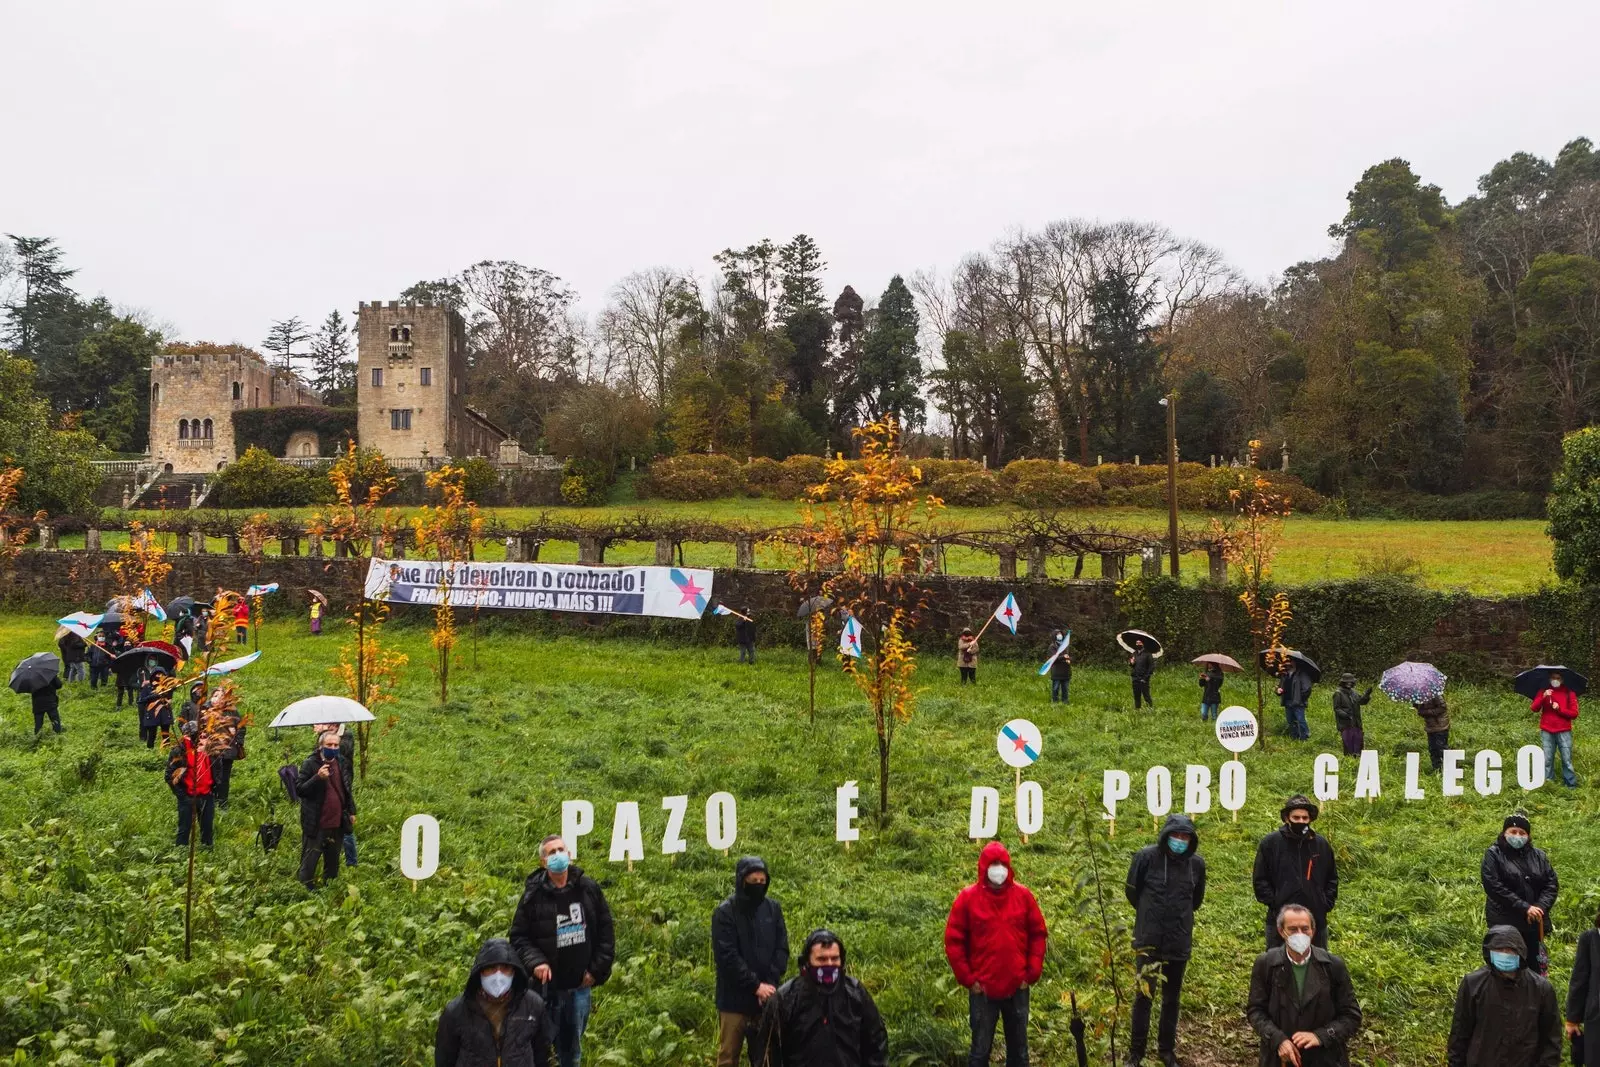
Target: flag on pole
147 603
722 609
81 623
850 638
1066 639
231 665
262 590
1008 614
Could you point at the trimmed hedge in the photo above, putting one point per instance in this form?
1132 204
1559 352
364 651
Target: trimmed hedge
269 429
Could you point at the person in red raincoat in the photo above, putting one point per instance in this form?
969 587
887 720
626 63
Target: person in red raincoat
1558 710
189 775
995 941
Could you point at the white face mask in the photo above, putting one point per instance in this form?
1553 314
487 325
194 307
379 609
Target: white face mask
496 985
997 873
1299 944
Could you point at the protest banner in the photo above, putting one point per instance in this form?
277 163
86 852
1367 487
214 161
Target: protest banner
668 592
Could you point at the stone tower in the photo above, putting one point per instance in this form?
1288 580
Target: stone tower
194 394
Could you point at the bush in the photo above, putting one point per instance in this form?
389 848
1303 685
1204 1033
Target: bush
693 477
763 476
258 480
1126 475
966 488
1044 483
1486 504
584 482
1575 507
800 473
480 477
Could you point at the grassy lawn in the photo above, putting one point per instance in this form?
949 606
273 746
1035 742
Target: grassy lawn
1488 557
91 891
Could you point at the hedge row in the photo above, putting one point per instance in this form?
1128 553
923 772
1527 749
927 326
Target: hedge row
962 483
271 428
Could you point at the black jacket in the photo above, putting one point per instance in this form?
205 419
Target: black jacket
1144 665
1280 878
533 927
749 943
1211 687
1347 706
1165 890
312 790
1583 991
1327 1008
1505 1022
47 699
1514 879
802 1026
74 649
744 631
465 1037
1296 686
1061 669
99 657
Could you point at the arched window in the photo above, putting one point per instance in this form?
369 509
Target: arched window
394 333
238 390
194 429
405 333
208 429
183 429
155 393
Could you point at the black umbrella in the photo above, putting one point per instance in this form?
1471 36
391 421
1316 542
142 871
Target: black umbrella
135 657
180 605
1152 644
111 619
36 672
812 605
1531 683
1305 662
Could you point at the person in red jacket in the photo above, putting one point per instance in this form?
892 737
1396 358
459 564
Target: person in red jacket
995 941
189 775
1558 710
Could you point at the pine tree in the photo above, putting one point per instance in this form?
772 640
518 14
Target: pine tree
334 372
281 339
890 370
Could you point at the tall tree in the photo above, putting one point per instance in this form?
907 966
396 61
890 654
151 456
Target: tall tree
43 288
642 321
890 369
1122 361
808 328
333 368
282 338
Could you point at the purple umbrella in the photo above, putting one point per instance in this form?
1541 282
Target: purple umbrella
1412 683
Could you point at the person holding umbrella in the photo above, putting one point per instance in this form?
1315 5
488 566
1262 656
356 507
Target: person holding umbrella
1294 690
1422 686
40 677
1557 707
1210 692
1347 713
1141 665
74 654
327 809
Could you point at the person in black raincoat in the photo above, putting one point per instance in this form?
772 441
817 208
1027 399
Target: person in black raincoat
1519 885
751 947
1583 990
1295 865
1166 884
1210 692
99 662
822 1017
74 656
1301 1001
1505 1013
1347 713
46 701
327 809
1141 665
155 708
497 1021
744 635
1294 691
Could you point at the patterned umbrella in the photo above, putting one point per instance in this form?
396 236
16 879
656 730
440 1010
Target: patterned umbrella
1412 683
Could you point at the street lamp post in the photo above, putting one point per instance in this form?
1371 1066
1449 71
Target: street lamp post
1170 402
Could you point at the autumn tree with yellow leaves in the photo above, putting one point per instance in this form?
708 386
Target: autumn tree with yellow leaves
1251 539
447 531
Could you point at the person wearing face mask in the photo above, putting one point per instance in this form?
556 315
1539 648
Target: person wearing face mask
1210 692
563 931
1141 665
1060 672
1557 706
327 809
1295 865
1519 884
751 947
1505 1014
1166 885
995 942
822 1017
1301 1001
497 1021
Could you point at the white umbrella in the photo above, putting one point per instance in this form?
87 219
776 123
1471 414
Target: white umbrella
314 710
228 666
81 623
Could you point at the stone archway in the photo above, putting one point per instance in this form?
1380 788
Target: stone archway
302 444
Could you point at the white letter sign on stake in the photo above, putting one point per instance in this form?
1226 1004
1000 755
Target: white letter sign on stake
1325 777
577 819
1453 772
1230 786
1367 785
1413 772
1158 791
984 819
845 813
1196 789
1486 776
419 847
1116 786
672 841
1030 808
722 820
1530 766
627 836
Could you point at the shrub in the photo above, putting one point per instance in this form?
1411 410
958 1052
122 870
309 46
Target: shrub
480 477
763 476
258 480
1048 483
693 477
584 482
1575 507
1126 475
800 473
966 488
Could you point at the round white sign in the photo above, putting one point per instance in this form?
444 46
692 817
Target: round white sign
1019 743
1237 729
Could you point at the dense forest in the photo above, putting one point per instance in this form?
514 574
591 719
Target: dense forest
1443 348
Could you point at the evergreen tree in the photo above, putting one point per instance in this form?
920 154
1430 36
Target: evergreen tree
333 368
890 370
1122 363
282 338
44 291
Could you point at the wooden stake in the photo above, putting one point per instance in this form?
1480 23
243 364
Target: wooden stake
630 864
413 885
1019 790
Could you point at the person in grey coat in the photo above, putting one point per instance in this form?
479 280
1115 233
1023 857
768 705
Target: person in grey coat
1301 1001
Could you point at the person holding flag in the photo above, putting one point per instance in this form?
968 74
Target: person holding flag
967 655
1059 667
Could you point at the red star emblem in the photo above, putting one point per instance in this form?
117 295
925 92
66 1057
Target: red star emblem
1019 744
1009 613
689 590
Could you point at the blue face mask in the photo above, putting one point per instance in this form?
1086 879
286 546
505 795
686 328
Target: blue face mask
557 862
1178 845
1505 961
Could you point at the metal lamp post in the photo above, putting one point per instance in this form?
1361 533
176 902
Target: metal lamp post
1170 402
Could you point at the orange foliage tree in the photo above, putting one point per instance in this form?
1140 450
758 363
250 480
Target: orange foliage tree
1251 539
448 532
10 483
139 565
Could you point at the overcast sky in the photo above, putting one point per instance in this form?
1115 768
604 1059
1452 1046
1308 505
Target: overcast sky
224 164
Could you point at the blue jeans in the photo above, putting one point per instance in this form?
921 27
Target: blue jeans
1296 718
982 1013
1552 743
570 1009
1058 690
349 850
1209 711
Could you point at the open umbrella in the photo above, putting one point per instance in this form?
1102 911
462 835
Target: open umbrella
319 709
1530 683
1306 662
35 672
1127 637
318 597
181 605
119 604
131 659
813 604
1412 683
111 619
1227 663
164 646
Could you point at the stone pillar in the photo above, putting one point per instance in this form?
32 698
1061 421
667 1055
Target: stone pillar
930 560
127 497
591 551
1150 562
233 544
744 552
1219 563
1008 562
664 548
194 496
197 539
91 540
289 546
1111 566
314 546
514 549
1036 562
47 536
532 552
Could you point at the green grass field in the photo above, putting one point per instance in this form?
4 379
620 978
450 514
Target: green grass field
1487 557
91 967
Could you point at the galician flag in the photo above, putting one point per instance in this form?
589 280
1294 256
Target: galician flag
147 603
722 609
850 638
1066 639
1008 614
262 590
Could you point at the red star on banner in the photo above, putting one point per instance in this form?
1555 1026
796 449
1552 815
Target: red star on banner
689 591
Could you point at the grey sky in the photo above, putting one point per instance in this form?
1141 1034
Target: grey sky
222 164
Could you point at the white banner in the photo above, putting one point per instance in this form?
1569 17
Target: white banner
670 592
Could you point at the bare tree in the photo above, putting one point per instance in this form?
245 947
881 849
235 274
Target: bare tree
640 324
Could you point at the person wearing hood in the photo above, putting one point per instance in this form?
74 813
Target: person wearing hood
1505 1014
46 701
497 1021
74 655
822 1017
1295 865
1060 671
1166 884
744 635
562 929
1557 706
995 941
1347 713
1210 692
1583 990
99 662
1519 884
1141 665
1294 691
967 656
1301 1001
751 947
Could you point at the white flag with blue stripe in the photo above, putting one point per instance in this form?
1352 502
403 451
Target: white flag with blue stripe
850 638
1066 639
1008 614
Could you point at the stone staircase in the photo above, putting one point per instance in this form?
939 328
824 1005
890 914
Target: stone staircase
173 492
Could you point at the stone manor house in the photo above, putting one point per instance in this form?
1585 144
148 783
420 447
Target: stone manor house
410 396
